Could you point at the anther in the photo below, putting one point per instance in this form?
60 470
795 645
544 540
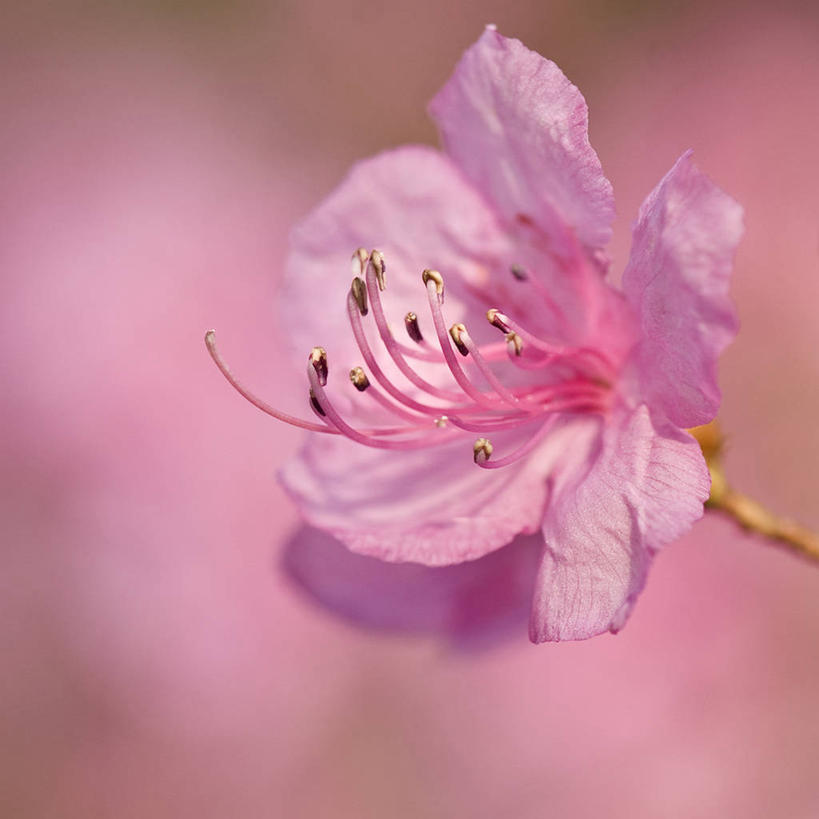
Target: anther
434 276
315 404
514 343
441 421
358 264
455 331
413 330
359 291
380 267
359 379
519 272
497 319
318 358
482 450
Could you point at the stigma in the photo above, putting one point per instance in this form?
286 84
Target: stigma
467 390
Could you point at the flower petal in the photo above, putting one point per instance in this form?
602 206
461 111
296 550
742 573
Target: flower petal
414 205
432 506
645 488
677 281
519 130
467 603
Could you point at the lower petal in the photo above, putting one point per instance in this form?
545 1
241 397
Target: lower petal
646 487
431 506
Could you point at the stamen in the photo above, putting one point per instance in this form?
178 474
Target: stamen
570 396
395 349
315 405
359 291
415 418
506 325
434 276
519 453
370 290
455 331
484 411
413 330
482 451
484 425
325 406
375 369
359 379
495 318
600 367
380 267
486 370
514 344
318 358
358 263
435 299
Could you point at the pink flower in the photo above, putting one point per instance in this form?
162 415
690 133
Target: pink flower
558 413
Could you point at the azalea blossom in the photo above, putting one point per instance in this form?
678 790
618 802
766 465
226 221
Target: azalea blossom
481 379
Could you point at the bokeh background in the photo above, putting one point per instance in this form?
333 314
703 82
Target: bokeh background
155 660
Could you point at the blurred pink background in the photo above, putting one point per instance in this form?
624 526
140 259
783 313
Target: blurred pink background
156 663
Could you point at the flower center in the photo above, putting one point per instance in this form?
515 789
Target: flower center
559 379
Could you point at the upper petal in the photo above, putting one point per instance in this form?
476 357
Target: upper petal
645 488
469 602
411 203
519 130
677 280
432 506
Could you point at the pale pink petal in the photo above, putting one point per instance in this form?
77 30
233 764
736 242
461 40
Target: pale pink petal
645 488
470 602
519 130
431 506
677 279
414 205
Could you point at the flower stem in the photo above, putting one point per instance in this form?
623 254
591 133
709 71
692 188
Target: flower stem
749 514
756 518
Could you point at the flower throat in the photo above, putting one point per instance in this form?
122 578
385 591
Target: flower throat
563 379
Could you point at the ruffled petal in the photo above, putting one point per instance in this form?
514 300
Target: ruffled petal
414 205
431 506
519 130
677 280
645 488
467 603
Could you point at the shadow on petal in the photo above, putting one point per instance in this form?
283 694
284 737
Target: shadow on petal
470 604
